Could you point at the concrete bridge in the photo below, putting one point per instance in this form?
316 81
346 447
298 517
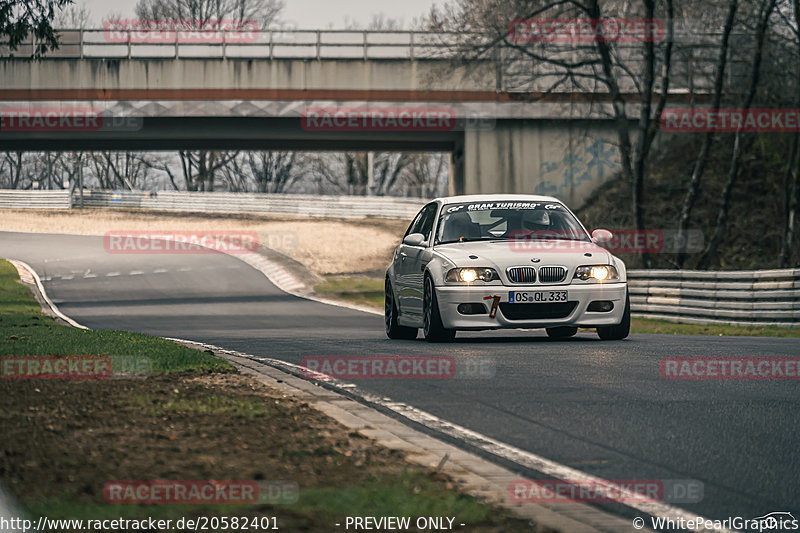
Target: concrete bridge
312 90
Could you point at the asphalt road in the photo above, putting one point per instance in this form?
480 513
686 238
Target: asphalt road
600 407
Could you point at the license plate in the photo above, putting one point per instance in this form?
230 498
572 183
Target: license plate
524 297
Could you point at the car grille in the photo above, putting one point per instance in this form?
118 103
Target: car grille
552 274
522 274
536 311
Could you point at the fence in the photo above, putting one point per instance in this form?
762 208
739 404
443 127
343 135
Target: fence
741 298
288 204
34 199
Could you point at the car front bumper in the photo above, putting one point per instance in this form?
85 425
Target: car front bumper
582 295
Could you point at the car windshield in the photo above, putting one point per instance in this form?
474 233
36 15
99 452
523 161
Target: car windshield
512 220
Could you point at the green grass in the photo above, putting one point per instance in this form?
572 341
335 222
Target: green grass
405 494
369 291
25 330
649 325
360 290
211 404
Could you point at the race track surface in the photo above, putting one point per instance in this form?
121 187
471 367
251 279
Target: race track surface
600 407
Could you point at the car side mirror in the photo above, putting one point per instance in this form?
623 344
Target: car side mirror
600 236
414 239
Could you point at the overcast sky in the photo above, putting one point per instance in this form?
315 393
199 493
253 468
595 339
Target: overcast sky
304 14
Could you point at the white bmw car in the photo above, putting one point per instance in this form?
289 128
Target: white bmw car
503 261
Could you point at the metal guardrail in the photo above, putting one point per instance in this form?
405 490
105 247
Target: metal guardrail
17 199
740 297
227 202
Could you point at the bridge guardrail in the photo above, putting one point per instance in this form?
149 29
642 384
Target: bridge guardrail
18 199
737 297
694 55
228 202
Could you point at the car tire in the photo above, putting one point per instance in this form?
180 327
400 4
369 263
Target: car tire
431 318
561 332
393 330
621 330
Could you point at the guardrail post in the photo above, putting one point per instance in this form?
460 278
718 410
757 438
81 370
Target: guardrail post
129 43
319 44
80 41
411 46
364 39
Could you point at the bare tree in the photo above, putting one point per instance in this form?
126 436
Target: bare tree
599 67
765 9
705 149
120 170
197 13
12 165
200 168
792 175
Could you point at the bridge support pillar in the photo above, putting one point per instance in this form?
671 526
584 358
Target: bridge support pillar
568 159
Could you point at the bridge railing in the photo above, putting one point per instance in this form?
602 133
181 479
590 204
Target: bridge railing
268 44
693 56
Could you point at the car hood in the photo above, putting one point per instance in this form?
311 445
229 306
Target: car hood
504 254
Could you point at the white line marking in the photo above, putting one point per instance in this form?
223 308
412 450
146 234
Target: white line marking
112 274
135 273
46 298
159 271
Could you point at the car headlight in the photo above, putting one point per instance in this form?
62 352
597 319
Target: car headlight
468 275
596 273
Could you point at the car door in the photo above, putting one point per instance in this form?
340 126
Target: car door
417 259
401 265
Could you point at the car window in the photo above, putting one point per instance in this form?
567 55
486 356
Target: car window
423 223
506 221
415 223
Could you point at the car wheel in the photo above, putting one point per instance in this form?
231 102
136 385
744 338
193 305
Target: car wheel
561 332
432 320
393 330
621 330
